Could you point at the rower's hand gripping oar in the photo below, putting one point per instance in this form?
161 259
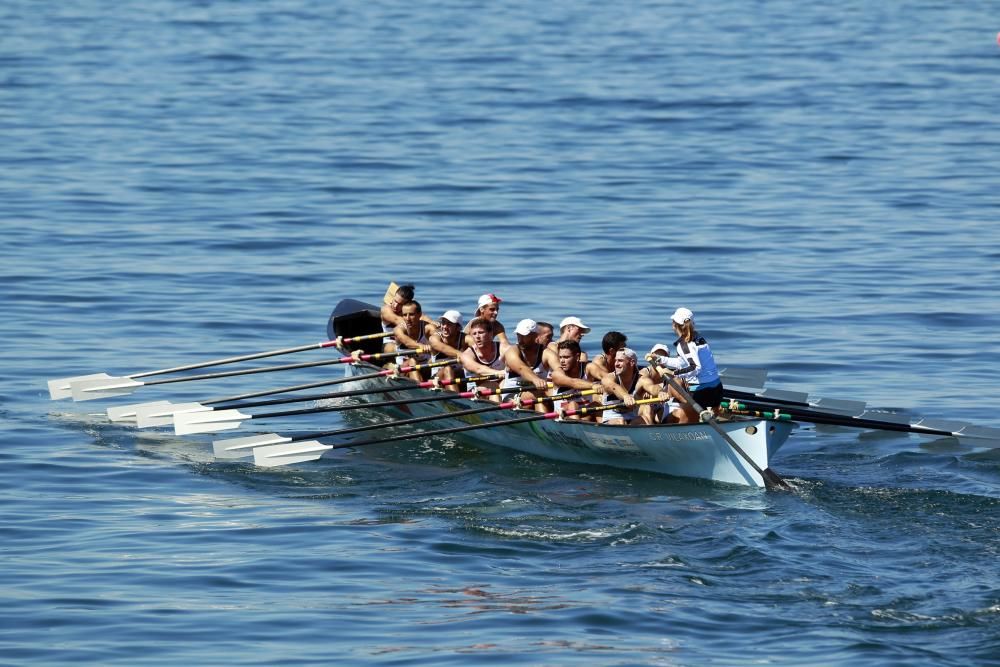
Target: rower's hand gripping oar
772 480
88 390
62 387
161 413
298 451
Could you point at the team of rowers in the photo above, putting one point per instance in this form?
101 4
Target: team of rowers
546 367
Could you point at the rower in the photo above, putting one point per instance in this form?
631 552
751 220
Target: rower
447 342
489 308
603 364
545 331
570 328
414 334
670 410
485 356
571 374
524 363
392 313
625 384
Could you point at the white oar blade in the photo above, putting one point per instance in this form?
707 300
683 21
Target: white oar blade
785 395
188 423
130 413
886 416
236 448
106 387
749 378
840 406
61 388
980 436
152 414
271 456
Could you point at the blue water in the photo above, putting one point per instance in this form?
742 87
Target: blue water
187 180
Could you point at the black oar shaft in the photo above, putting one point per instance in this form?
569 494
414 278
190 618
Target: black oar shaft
270 369
814 417
538 416
312 385
233 360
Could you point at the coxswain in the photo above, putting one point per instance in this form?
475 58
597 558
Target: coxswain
695 365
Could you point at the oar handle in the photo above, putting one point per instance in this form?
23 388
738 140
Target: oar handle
340 342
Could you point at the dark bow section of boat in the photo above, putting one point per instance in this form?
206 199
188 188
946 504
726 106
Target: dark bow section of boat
356 318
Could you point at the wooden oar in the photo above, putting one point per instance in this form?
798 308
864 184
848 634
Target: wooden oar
238 447
298 450
88 390
229 417
963 432
62 387
161 413
772 480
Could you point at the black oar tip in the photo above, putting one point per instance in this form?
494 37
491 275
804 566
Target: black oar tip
775 482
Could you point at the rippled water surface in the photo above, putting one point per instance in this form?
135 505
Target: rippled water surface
185 180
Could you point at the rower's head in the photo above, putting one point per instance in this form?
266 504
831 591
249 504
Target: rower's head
411 312
481 330
527 332
612 342
683 323
569 356
451 323
403 295
572 328
544 333
489 306
625 360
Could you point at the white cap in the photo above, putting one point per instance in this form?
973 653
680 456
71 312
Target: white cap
525 327
629 353
660 346
575 321
682 315
487 299
452 316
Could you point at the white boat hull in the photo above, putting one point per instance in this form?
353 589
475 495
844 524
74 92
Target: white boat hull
695 450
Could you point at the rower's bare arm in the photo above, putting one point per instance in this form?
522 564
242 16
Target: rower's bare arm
389 316
596 371
404 339
563 381
512 358
470 364
439 345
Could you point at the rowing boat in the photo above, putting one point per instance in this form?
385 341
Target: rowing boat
693 450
